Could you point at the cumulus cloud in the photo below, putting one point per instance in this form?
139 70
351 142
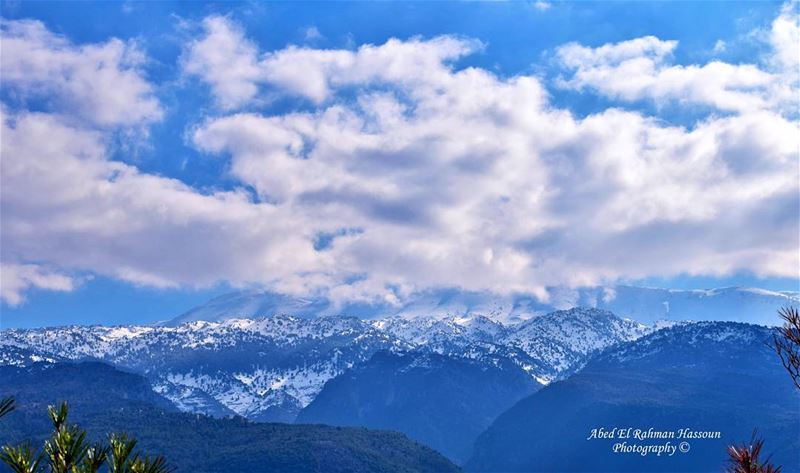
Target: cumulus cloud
465 178
225 60
641 68
415 173
784 37
16 279
235 70
100 83
65 202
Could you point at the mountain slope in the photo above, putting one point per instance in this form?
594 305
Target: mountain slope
706 377
441 401
106 400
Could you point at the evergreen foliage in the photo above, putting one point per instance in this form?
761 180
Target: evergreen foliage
68 451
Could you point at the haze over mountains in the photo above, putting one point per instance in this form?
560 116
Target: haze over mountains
643 304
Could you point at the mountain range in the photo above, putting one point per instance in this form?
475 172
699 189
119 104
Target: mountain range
268 369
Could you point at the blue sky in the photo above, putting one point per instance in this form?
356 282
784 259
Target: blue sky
490 146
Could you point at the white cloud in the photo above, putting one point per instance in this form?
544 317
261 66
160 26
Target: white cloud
16 279
65 203
542 5
640 69
102 84
421 173
458 165
235 70
225 60
784 37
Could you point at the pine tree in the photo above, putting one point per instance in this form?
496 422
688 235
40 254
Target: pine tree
67 450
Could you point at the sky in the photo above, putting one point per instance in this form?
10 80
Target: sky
154 155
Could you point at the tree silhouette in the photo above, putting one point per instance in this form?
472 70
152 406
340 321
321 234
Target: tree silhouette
787 342
67 451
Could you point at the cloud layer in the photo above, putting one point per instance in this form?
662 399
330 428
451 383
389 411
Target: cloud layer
414 172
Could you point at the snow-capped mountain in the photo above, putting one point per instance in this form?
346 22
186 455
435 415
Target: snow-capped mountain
563 340
261 369
270 368
645 305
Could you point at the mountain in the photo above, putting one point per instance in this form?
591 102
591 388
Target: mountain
563 340
266 369
705 377
643 304
441 401
269 369
88 386
104 399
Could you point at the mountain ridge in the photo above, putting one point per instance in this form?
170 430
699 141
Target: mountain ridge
268 369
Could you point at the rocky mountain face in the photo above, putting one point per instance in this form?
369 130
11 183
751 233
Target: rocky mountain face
268 369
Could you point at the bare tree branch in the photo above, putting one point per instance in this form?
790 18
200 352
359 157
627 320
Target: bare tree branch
787 342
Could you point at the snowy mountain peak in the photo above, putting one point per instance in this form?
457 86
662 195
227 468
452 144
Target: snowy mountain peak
564 338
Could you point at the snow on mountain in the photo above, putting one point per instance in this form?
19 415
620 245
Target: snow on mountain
431 331
645 305
270 368
17 356
264 369
563 340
